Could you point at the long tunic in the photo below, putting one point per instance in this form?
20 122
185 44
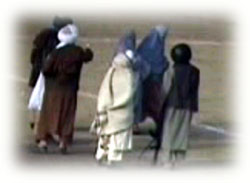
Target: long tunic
116 100
151 50
62 73
181 85
115 109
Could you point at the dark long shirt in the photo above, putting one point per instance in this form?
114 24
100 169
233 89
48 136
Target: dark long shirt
63 66
184 90
43 44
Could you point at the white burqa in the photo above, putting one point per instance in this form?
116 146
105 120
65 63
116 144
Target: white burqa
115 126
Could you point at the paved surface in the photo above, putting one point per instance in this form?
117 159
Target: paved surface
207 149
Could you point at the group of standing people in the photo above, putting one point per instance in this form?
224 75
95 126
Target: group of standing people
139 83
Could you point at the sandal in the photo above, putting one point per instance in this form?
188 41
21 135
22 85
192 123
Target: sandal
42 145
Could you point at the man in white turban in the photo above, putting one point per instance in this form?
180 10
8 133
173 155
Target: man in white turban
62 72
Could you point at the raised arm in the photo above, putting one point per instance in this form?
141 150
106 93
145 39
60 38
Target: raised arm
87 55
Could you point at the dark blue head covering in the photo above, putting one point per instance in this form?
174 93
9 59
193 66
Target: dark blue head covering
152 49
127 42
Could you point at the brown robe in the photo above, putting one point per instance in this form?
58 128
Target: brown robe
62 73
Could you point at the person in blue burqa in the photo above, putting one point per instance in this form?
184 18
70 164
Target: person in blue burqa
152 51
141 70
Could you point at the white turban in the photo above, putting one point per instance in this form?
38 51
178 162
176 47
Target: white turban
67 35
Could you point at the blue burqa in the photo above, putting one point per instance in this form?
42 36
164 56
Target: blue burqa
151 51
140 68
127 42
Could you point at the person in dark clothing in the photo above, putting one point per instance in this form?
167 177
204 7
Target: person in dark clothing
141 70
181 88
62 71
44 42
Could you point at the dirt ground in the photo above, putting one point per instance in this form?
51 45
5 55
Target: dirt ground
207 149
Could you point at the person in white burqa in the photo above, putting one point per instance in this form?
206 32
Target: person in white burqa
115 110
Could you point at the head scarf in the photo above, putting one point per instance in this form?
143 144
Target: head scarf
127 42
67 35
162 31
152 49
126 47
123 59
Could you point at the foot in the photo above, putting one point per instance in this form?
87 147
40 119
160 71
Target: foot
152 133
103 162
63 148
136 129
56 138
42 145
